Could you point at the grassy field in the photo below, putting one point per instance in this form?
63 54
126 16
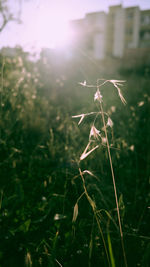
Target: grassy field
46 218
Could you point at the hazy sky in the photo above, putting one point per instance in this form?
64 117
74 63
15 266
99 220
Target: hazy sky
41 19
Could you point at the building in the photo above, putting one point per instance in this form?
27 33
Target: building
115 31
89 35
144 29
132 27
95 24
111 34
79 33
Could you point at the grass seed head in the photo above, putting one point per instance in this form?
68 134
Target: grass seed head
94 132
98 96
109 122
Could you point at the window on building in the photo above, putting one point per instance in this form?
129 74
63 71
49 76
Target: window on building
145 20
145 35
141 34
130 15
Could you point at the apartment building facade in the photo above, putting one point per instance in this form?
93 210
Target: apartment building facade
111 34
145 29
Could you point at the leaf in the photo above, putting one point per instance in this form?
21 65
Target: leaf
110 251
121 203
25 226
121 206
75 212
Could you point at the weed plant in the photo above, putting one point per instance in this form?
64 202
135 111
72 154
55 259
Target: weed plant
100 138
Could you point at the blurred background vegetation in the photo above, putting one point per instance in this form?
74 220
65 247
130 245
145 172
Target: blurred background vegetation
40 144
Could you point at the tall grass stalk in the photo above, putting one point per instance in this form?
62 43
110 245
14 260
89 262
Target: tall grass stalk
114 184
96 134
93 205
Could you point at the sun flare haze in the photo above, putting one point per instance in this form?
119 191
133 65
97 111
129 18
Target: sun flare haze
74 127
45 23
49 27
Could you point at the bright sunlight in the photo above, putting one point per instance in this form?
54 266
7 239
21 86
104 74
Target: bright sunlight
50 28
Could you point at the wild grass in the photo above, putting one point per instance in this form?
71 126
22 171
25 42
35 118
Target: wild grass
98 136
47 165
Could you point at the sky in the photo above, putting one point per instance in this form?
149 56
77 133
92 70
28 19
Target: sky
43 19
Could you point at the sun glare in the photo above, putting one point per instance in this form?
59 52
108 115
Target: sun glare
50 28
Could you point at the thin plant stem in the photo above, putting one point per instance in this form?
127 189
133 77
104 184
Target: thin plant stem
1 89
114 184
95 214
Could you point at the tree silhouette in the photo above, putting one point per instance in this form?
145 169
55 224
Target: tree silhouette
6 15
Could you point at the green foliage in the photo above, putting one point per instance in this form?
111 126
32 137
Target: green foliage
110 251
40 188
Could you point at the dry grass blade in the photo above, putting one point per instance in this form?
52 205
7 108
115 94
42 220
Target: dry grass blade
89 172
83 84
120 95
117 81
58 263
81 116
85 153
75 212
28 260
116 84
